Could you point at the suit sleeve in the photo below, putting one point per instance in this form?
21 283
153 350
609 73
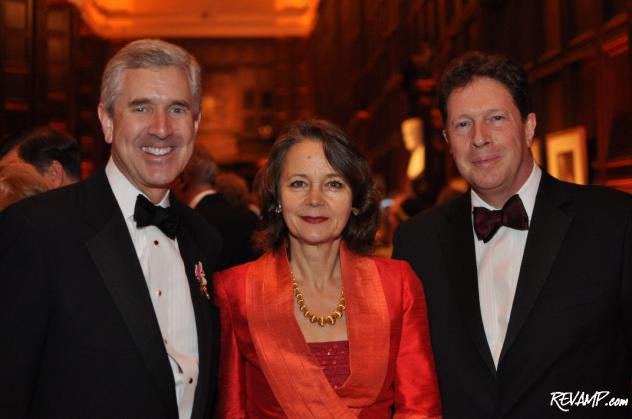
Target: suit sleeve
397 247
231 396
24 307
416 387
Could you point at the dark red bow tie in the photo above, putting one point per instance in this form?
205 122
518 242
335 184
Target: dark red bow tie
487 222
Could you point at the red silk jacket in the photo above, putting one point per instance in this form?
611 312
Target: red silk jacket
267 369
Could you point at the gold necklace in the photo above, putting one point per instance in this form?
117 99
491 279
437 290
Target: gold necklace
321 320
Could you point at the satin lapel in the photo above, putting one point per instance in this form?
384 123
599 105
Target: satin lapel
206 321
368 328
294 375
457 243
547 230
113 254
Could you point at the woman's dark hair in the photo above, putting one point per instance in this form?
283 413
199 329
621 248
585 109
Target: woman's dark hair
462 70
346 159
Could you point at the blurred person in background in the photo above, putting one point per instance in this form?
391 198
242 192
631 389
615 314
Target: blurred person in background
228 214
453 189
235 190
423 196
54 155
17 182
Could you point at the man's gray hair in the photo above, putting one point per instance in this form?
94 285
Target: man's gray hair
149 53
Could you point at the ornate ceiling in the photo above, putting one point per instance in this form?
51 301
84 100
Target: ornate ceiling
198 18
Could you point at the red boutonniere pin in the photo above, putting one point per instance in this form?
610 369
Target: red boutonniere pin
201 279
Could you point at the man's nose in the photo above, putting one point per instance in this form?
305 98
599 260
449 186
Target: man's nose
160 125
480 135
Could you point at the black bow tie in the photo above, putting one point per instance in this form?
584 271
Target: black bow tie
166 219
487 222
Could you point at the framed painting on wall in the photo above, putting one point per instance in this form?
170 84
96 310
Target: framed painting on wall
566 156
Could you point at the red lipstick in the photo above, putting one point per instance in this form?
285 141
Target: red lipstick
314 220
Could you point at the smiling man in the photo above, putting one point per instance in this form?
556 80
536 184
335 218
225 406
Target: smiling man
104 310
528 279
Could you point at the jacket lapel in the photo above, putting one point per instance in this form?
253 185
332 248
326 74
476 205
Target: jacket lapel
280 346
547 230
368 329
282 350
206 318
457 242
113 254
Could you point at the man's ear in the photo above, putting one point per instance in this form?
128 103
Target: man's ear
529 128
107 124
54 175
447 140
196 122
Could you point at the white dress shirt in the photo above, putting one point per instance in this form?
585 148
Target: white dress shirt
498 264
197 198
168 286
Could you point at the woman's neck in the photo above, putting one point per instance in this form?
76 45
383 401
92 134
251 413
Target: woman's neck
316 266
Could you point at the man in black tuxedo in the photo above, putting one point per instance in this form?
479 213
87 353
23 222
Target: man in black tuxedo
527 278
235 225
104 307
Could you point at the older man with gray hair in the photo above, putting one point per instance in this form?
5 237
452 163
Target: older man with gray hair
105 310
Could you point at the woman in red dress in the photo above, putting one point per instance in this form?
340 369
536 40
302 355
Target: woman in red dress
317 328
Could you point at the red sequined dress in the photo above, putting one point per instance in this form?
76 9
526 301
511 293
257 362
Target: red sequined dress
333 358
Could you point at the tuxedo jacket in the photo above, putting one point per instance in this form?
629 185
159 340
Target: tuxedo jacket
234 225
570 325
78 334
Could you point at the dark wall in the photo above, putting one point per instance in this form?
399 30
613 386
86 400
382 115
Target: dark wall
377 63
50 73
368 65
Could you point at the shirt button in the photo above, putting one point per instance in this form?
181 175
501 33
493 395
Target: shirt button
156 243
190 380
159 293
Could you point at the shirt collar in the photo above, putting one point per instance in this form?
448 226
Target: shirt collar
124 191
527 192
197 198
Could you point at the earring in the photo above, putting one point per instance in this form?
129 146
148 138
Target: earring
355 211
278 209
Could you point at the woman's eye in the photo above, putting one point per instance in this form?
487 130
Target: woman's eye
335 184
297 184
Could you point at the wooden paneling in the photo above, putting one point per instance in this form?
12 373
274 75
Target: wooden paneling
16 76
575 52
51 68
251 88
552 18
